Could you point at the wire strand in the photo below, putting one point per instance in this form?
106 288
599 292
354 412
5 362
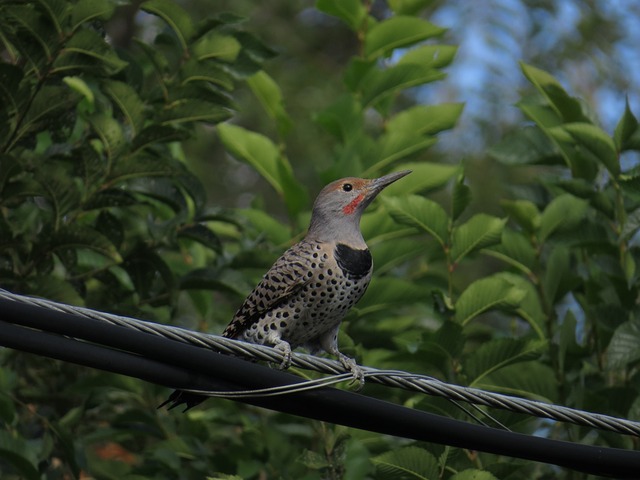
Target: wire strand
392 378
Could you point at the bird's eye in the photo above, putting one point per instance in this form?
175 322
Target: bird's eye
347 187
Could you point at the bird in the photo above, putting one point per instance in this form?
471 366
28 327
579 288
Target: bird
302 299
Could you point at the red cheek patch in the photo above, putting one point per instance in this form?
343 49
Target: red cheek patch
351 207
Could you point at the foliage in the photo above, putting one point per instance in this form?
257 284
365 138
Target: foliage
99 207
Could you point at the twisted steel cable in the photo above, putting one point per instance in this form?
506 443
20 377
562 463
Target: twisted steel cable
392 378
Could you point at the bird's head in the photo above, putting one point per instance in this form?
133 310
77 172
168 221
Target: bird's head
339 206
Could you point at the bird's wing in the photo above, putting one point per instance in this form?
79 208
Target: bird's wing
290 273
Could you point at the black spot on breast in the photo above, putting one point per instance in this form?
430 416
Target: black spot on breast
355 264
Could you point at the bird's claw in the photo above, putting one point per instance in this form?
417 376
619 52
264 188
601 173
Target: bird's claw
355 369
285 349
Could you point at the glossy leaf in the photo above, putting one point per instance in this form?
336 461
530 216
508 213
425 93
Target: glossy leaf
175 16
214 45
563 213
380 84
426 119
434 56
91 44
351 12
478 232
488 293
129 103
268 93
566 106
425 177
524 212
461 197
264 156
624 347
421 213
627 133
596 142
398 31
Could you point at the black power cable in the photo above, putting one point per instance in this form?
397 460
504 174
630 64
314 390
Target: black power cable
178 365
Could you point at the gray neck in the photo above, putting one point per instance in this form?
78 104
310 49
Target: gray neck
340 229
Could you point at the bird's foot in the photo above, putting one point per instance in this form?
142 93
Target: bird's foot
355 369
285 349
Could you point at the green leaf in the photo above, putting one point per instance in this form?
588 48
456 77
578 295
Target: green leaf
515 248
158 134
268 93
473 474
379 84
563 213
15 451
202 71
109 131
629 268
76 237
558 265
488 293
78 85
56 11
532 380
90 43
567 107
47 104
385 292
186 111
530 308
128 101
480 231
461 197
342 119
434 56
426 119
626 129
624 347
351 12
274 231
175 16
631 225
407 462
499 353
214 45
398 31
421 213
527 146
203 235
10 78
524 213
88 10
425 177
260 152
55 289
595 141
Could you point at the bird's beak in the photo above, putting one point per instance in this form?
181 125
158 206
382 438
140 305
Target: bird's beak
378 184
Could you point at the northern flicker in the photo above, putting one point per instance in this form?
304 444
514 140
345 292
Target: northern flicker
304 296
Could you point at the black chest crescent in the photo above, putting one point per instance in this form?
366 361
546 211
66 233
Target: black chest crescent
355 264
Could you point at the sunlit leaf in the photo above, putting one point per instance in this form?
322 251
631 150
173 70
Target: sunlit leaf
425 177
217 46
265 157
434 56
351 12
268 93
398 31
473 474
595 141
382 83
